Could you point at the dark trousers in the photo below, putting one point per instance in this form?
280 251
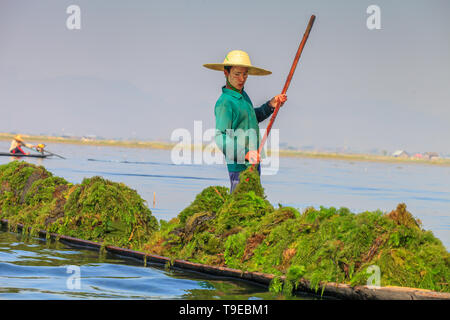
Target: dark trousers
234 178
17 150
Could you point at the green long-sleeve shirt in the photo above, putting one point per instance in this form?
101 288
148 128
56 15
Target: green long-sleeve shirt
237 130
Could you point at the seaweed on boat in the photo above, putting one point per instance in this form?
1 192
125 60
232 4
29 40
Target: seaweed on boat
320 245
101 209
96 209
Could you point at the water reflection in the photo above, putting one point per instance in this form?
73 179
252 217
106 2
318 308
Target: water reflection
33 268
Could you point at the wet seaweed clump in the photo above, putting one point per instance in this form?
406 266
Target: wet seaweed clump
209 200
249 180
207 230
244 231
241 230
96 209
101 209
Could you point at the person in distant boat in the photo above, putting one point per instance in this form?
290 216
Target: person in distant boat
237 131
16 146
40 148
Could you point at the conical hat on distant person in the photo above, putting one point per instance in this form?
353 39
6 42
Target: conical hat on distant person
238 58
18 138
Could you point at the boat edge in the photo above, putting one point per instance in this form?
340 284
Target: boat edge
336 290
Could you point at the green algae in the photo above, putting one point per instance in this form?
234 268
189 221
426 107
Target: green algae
249 180
241 230
241 210
96 209
209 200
320 245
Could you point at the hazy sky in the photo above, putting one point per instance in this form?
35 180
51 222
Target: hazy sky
135 69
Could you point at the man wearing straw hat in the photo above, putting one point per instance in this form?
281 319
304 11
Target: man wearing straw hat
237 130
16 145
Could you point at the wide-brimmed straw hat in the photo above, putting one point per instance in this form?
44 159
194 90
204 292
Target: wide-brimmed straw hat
18 138
238 58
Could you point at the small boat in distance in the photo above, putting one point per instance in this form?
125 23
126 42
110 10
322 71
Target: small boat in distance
24 155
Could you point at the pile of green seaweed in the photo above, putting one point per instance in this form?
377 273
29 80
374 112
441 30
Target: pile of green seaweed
244 231
96 209
241 230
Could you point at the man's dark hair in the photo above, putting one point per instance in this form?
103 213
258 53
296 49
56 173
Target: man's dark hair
228 68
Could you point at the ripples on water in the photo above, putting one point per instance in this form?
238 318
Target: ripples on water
36 269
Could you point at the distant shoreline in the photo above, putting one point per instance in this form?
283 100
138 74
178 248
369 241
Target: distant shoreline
282 153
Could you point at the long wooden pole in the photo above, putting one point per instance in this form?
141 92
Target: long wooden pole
288 82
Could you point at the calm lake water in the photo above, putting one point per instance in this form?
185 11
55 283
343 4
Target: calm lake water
299 183
36 269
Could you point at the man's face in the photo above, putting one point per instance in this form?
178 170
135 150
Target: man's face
237 76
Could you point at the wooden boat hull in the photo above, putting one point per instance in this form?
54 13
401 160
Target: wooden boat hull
7 154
